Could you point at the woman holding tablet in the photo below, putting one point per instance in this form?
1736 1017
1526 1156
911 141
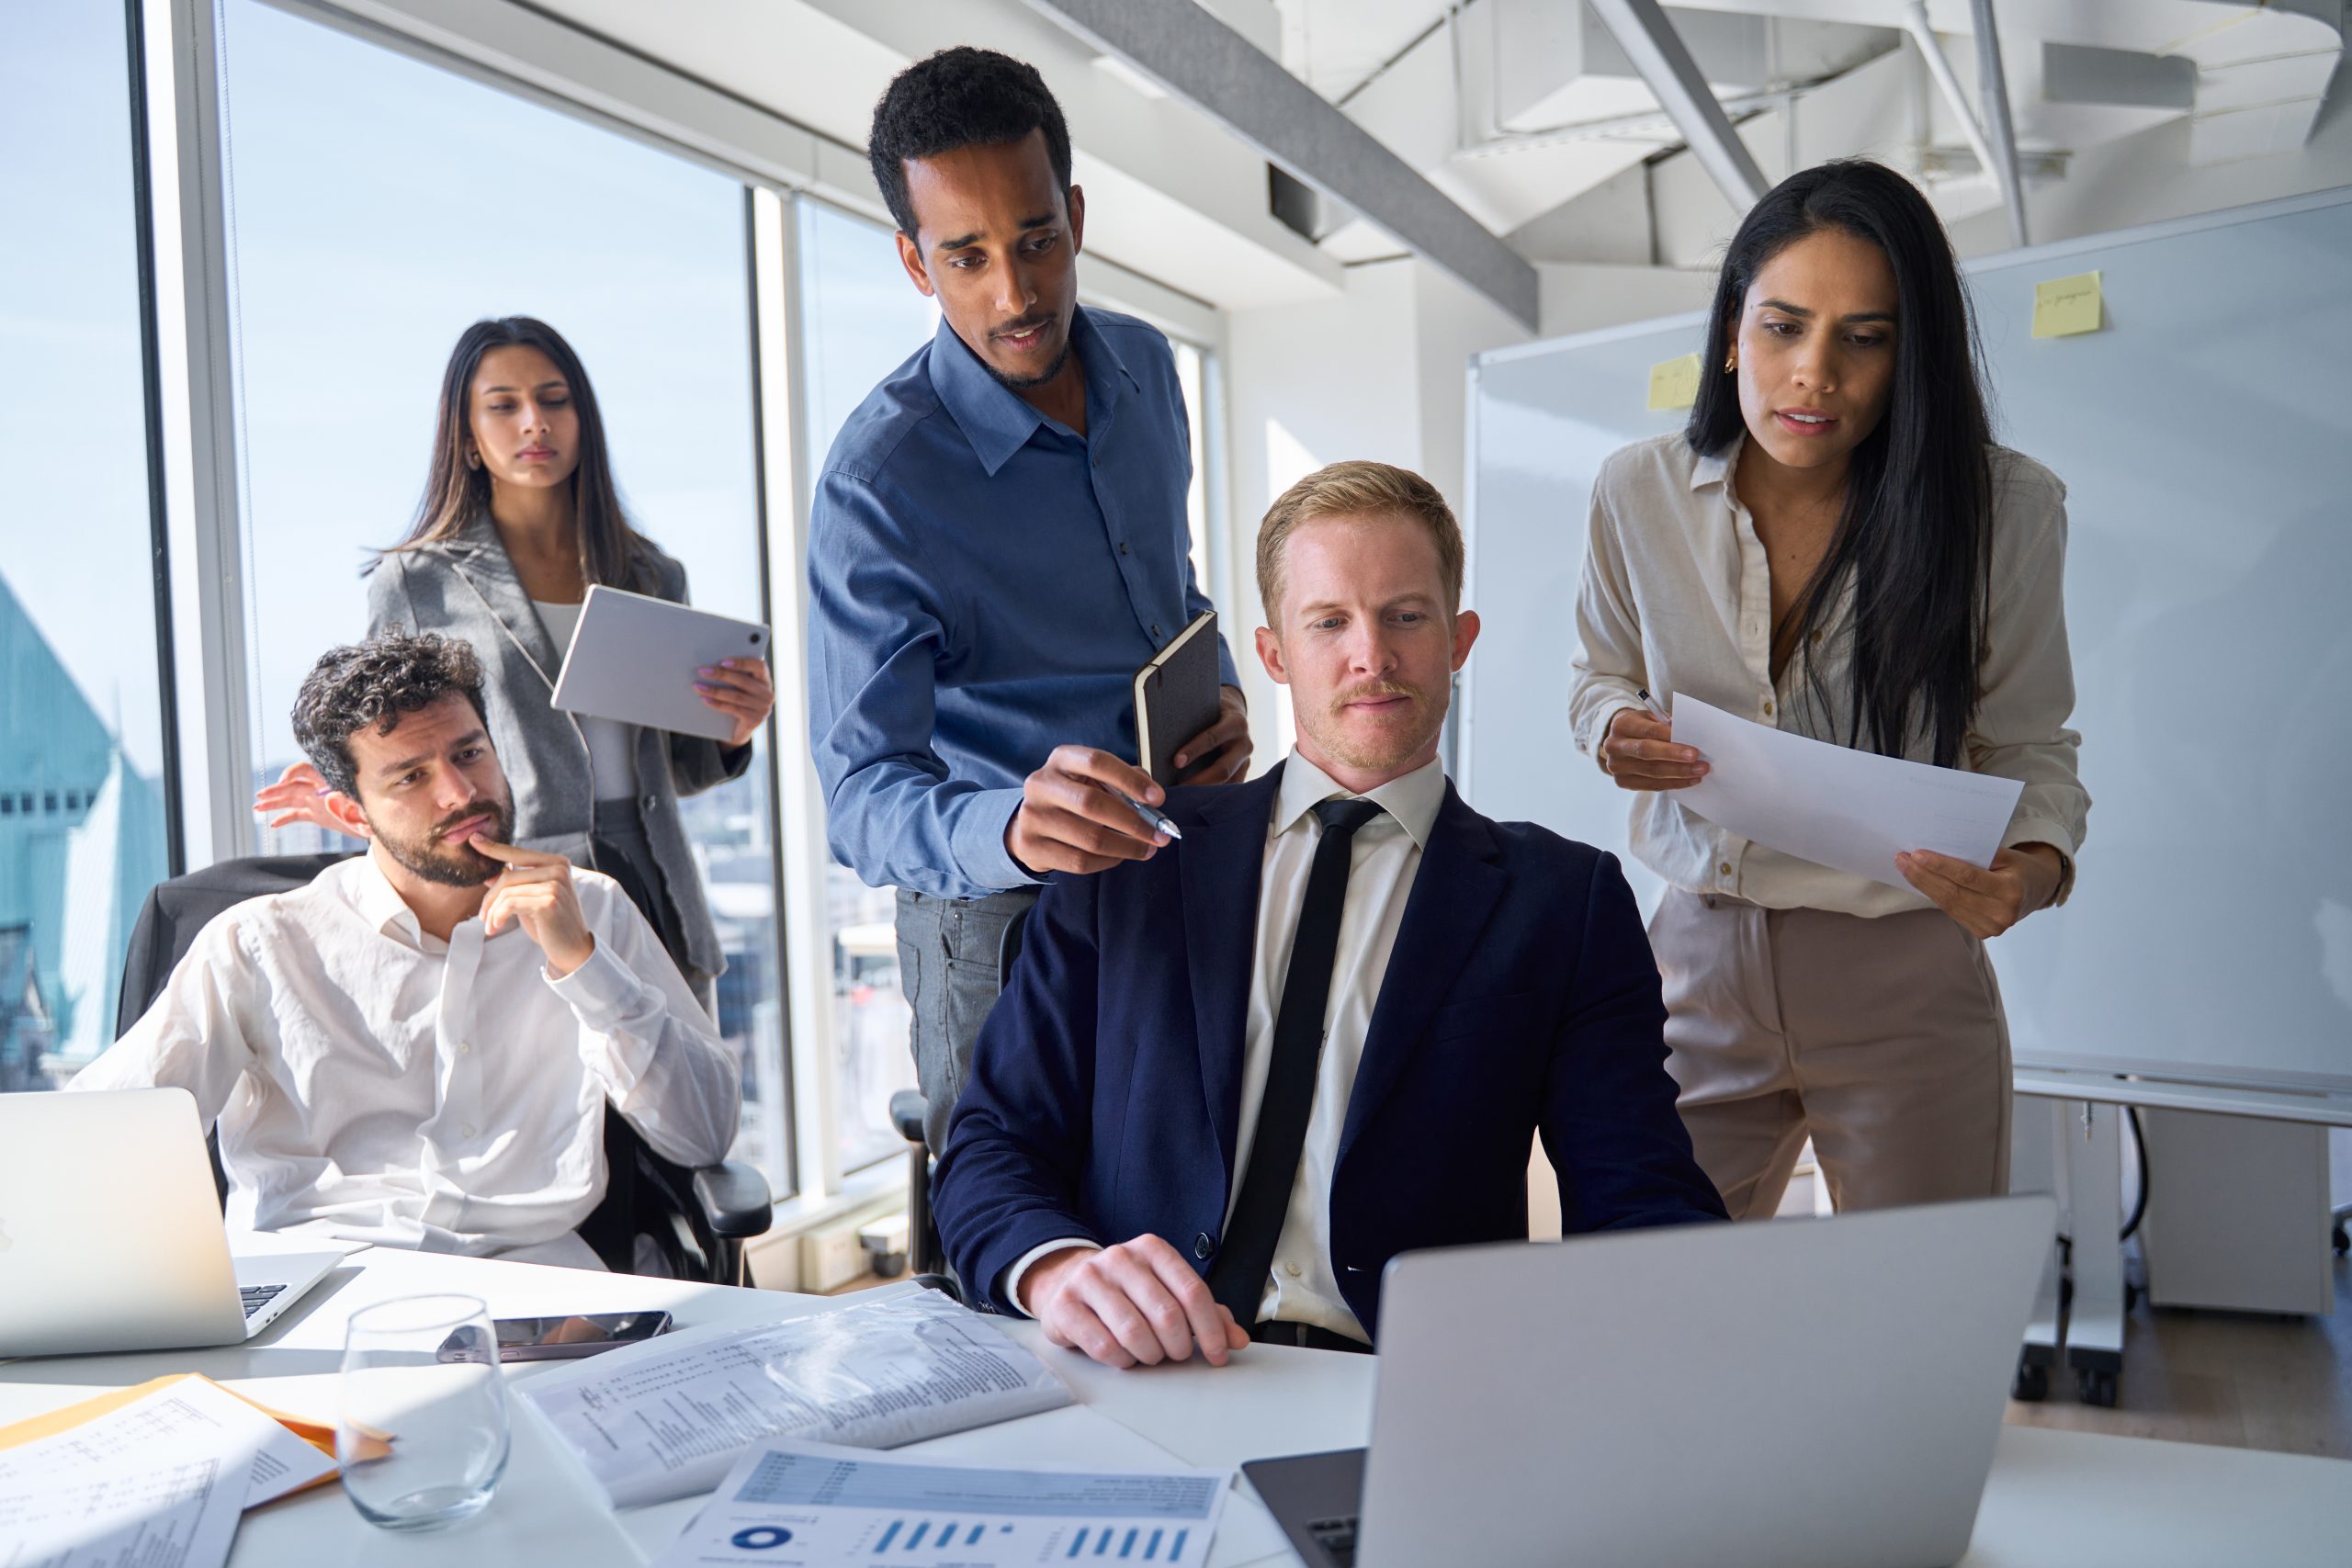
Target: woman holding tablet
1834 546
520 517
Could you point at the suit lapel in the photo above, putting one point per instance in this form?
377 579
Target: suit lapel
482 561
1221 859
1459 878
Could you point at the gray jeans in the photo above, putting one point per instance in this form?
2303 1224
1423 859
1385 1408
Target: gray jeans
951 966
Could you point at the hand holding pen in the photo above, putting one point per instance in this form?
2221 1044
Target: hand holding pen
1639 752
1086 810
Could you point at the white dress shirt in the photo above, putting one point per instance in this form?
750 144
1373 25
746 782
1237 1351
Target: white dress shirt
1382 863
377 1085
1678 598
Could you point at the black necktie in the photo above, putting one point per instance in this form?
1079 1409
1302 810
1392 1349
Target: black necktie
1239 1277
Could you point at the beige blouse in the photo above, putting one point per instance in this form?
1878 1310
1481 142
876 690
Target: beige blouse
1678 598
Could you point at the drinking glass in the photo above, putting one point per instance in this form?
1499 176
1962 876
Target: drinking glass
422 1438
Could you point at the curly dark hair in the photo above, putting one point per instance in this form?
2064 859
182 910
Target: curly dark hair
375 683
959 97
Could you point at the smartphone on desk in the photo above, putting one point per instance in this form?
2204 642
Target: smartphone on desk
561 1338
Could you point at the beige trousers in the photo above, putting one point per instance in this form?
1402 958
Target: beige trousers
1883 1039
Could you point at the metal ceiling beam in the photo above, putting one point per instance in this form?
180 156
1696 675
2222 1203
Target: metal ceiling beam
1199 59
1641 30
1993 85
1931 49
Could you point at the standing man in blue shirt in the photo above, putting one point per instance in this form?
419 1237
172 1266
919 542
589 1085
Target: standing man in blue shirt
999 543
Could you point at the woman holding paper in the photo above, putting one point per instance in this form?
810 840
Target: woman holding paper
520 515
1834 548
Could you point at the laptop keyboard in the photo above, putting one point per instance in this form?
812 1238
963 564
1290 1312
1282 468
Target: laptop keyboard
256 1297
1338 1539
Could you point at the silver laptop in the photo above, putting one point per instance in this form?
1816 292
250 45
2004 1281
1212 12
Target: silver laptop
1816 1394
111 1234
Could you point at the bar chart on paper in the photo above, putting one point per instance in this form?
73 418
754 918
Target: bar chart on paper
811 1505
1128 1541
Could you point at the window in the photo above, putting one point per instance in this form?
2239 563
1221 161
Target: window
859 320
80 707
380 205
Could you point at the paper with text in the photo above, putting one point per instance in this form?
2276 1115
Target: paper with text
1834 806
665 1418
156 1484
187 1410
813 1505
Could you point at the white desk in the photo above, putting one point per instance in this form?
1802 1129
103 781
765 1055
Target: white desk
2054 1497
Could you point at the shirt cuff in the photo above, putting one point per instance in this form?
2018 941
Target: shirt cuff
600 993
2043 830
977 842
1021 1265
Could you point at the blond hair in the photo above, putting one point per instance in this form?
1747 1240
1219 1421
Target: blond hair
1364 488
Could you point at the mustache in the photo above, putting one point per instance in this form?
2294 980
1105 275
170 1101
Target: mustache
1372 690
467 812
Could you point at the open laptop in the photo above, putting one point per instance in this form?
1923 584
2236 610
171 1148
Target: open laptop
111 1234
1811 1393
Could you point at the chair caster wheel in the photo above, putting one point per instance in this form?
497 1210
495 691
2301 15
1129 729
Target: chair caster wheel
2031 1383
2095 1385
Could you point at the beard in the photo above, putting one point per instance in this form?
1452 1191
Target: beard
1027 383
1370 748
453 866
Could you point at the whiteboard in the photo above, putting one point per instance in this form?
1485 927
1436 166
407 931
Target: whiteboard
2205 437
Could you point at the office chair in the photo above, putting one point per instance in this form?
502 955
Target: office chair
927 1258
695 1222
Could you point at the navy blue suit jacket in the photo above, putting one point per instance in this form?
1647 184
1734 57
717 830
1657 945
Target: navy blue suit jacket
1105 1094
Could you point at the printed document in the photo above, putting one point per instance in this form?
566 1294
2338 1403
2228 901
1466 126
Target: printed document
810 1506
665 1418
1851 811
158 1482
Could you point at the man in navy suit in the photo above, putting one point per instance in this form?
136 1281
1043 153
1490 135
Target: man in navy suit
1226 1084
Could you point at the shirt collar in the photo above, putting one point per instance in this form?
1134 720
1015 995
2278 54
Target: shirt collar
379 902
998 422
1413 799
1715 469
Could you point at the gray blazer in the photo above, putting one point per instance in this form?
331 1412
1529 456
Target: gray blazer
467 588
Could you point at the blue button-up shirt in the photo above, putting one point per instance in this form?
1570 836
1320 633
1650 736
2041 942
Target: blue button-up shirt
983 584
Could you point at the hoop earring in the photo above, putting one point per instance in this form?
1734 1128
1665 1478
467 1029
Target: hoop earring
473 459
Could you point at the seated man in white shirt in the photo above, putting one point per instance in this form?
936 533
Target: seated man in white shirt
417 1048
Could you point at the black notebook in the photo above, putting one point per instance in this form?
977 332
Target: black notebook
1176 697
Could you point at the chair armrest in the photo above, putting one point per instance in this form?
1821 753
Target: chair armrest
734 1199
908 1110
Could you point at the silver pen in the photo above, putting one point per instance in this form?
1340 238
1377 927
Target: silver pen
1156 820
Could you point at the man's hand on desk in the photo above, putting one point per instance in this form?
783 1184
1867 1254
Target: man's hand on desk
1138 1302
1072 815
1219 754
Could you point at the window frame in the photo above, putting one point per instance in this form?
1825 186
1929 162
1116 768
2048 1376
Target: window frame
201 564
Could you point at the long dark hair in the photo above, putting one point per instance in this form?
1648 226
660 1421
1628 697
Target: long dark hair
611 552
1914 536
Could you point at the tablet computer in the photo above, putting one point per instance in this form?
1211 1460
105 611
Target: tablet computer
633 658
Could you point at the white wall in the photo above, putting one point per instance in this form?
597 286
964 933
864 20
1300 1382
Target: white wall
1581 297
1379 372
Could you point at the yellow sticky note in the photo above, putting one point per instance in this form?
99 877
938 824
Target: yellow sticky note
2064 306
1674 383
